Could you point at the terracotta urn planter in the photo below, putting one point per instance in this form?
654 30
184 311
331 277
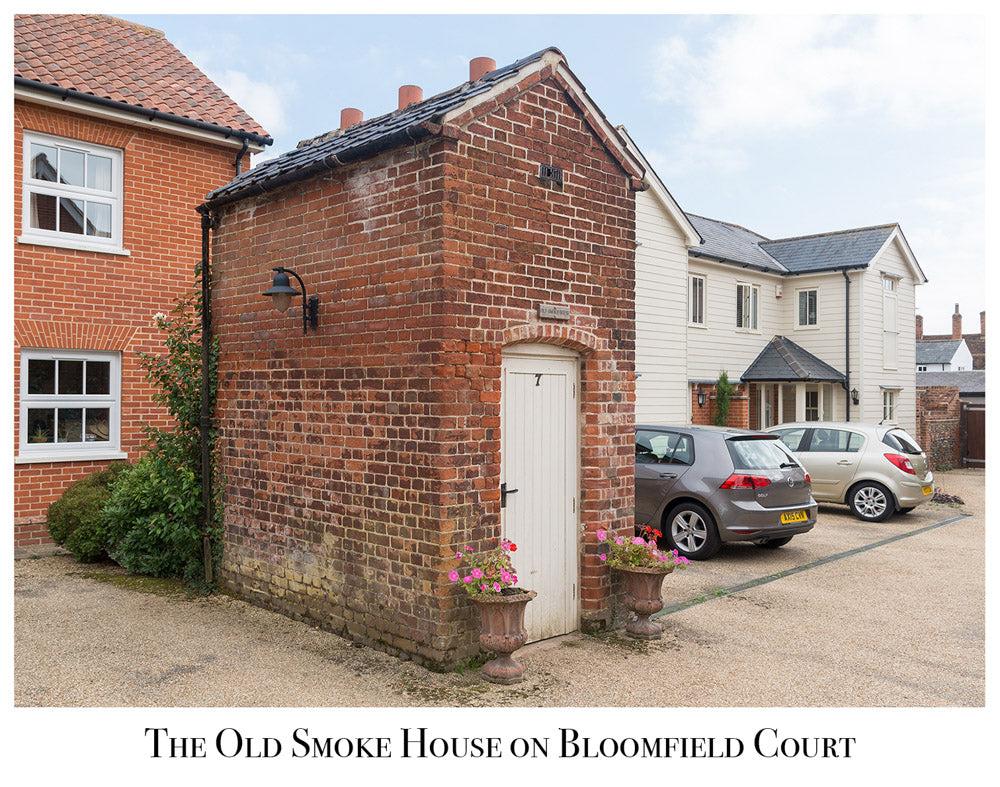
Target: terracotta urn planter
642 596
502 633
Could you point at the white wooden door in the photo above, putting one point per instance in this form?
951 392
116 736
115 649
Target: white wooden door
539 459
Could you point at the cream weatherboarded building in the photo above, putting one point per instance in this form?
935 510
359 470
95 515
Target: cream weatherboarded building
818 327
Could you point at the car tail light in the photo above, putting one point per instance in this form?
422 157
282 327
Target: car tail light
808 479
738 481
901 462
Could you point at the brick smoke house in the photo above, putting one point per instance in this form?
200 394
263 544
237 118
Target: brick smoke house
473 259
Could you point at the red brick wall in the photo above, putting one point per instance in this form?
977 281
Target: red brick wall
358 458
939 414
739 406
68 299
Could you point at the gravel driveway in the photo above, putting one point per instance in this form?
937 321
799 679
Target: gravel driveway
901 624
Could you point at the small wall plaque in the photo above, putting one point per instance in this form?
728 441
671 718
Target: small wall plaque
553 311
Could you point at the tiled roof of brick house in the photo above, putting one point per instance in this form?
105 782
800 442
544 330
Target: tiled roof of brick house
120 61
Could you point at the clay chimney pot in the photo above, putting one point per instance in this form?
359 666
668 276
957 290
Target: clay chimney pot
410 94
480 66
349 116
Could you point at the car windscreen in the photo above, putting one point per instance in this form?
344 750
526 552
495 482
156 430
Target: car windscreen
757 453
901 441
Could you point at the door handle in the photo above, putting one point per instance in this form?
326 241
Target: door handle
668 475
845 462
504 491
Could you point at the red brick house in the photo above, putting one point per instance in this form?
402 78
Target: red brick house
470 373
110 160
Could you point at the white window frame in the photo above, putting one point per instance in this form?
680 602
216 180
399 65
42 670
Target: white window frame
798 308
114 198
78 451
696 317
890 322
890 403
749 298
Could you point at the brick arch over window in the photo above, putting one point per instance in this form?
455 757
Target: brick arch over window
606 439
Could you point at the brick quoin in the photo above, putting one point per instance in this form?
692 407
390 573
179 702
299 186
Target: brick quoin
357 459
82 300
939 417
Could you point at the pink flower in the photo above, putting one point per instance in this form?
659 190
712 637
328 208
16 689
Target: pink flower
602 557
504 575
496 587
618 540
458 555
602 534
638 541
453 576
483 588
683 561
466 580
468 549
477 573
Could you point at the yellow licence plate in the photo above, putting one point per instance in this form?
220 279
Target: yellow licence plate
794 516
927 490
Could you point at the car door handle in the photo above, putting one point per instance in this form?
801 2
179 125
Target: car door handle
845 462
668 475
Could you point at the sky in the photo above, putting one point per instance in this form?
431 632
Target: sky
785 125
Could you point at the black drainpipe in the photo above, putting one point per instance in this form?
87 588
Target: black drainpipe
238 164
206 411
847 342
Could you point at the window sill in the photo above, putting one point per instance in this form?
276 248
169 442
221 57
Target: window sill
700 325
69 456
59 243
807 327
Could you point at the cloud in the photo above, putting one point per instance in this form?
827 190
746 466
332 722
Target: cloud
264 101
767 74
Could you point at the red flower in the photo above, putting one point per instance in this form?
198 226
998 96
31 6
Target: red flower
513 547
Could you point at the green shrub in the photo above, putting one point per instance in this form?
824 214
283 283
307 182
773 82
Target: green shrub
723 394
74 520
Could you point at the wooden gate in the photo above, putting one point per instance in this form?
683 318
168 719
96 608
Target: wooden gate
973 434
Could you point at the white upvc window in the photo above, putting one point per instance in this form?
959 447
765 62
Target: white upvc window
696 300
807 313
72 194
70 406
890 330
747 301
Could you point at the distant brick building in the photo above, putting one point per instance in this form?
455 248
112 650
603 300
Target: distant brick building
105 235
473 256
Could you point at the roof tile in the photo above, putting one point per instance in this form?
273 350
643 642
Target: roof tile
122 61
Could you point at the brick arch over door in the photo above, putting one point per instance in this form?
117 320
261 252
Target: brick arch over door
606 444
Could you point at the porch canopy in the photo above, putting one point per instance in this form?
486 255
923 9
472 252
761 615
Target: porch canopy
783 361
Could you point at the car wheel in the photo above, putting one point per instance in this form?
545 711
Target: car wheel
691 530
871 502
774 543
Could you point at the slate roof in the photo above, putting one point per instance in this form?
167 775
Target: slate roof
971 383
782 360
937 352
806 254
830 250
732 243
121 61
363 139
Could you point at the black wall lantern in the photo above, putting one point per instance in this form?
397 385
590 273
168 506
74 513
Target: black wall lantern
282 293
701 397
854 396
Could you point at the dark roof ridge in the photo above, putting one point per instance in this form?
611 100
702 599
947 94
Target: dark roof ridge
726 223
416 106
833 232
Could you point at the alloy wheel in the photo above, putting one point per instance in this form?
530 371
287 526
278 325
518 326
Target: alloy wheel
870 502
688 531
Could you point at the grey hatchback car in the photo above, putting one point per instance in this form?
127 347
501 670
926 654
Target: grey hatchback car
703 486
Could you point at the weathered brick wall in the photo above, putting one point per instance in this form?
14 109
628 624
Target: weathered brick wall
358 458
68 299
939 414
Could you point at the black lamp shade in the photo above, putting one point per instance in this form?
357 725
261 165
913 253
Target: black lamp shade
281 292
